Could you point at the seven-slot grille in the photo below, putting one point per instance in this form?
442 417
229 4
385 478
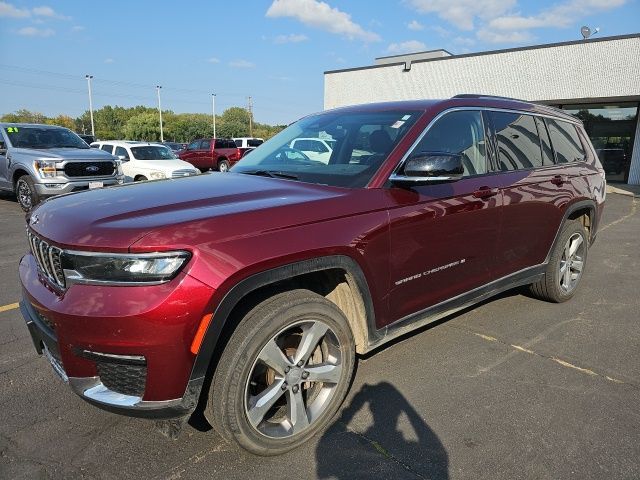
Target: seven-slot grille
182 173
89 169
48 258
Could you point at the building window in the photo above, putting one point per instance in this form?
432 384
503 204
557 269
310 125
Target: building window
611 129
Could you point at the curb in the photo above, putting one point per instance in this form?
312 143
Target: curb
632 191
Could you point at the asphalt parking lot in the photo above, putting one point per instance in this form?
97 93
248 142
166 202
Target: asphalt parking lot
514 388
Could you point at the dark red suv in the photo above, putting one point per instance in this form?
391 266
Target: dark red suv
254 291
212 154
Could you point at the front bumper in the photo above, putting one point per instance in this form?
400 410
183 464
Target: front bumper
73 186
63 330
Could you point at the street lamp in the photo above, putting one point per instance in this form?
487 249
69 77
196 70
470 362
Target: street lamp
93 130
158 87
213 112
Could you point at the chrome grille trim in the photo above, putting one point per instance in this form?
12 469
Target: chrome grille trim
182 173
48 258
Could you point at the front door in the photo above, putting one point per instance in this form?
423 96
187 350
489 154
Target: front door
443 236
5 181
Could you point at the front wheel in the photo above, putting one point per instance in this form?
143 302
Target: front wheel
566 264
283 374
223 166
26 193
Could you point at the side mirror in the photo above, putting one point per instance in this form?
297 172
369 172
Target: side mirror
122 158
429 167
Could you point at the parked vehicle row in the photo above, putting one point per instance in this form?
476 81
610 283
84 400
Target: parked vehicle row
146 161
251 293
40 161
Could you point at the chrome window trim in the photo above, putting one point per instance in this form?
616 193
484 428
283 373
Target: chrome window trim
410 150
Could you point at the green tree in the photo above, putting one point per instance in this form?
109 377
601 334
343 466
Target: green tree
24 116
144 126
62 121
232 129
186 127
236 115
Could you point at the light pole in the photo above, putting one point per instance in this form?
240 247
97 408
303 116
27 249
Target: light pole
158 87
93 130
213 112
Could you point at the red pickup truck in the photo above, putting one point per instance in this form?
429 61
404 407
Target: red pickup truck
211 154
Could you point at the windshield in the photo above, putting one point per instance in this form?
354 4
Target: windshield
39 137
152 152
360 142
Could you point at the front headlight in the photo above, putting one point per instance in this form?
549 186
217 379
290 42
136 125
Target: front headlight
46 168
157 175
122 269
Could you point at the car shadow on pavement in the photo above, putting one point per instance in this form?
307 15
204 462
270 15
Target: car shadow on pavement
390 440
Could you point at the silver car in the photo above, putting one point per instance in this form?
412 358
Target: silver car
39 161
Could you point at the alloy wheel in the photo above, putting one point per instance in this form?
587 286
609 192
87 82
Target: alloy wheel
24 195
293 379
572 262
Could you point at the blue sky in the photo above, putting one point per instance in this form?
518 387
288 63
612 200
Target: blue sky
275 51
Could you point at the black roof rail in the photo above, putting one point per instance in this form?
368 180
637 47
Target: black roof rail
482 95
498 97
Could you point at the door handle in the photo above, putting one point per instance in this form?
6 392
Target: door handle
485 192
559 180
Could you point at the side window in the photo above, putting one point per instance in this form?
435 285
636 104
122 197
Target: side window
304 145
321 147
518 141
193 145
460 132
547 153
205 145
238 143
565 141
122 151
107 148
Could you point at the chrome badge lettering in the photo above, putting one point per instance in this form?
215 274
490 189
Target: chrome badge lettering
430 271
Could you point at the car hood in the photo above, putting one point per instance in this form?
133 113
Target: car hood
166 166
64 153
114 218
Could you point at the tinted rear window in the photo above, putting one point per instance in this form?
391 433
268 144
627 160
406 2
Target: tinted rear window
547 152
254 142
518 141
565 140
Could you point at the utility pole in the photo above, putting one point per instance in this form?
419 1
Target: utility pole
250 109
213 112
93 130
158 87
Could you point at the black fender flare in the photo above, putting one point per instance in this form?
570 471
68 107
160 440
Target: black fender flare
571 209
268 277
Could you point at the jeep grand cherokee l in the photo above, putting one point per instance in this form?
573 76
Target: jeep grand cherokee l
255 290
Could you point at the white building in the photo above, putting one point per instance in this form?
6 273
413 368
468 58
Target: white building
597 79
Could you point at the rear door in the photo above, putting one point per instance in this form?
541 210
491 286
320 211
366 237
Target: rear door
532 198
443 236
190 154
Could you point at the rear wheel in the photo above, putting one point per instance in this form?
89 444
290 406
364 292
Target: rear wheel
283 374
26 193
223 166
566 264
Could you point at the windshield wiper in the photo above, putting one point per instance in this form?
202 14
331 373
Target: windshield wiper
271 173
